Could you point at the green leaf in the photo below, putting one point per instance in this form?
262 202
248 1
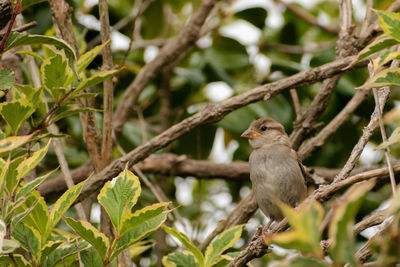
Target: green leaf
27 188
11 175
386 77
7 78
7 261
138 233
224 241
186 242
390 23
28 165
254 15
3 172
88 57
394 138
70 111
27 3
88 232
16 219
28 238
227 54
12 142
305 223
140 247
380 43
62 253
119 196
140 216
63 204
91 258
180 259
49 247
55 73
17 39
384 58
94 79
15 113
39 216
340 231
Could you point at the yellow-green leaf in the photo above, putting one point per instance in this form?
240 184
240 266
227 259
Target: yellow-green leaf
138 233
12 142
90 233
340 231
28 238
88 57
39 216
390 23
186 242
394 138
386 77
140 216
180 259
384 58
63 204
380 43
94 79
27 188
224 241
119 196
17 39
7 78
305 234
47 249
16 112
28 165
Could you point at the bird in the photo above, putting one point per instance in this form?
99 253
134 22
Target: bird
275 170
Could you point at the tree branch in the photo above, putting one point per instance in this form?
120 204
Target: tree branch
213 113
180 45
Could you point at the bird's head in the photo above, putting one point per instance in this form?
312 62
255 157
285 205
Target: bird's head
266 131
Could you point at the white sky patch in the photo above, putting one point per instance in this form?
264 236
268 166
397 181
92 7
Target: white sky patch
222 199
220 153
244 32
150 53
205 41
95 214
90 3
184 190
371 231
119 41
218 91
89 21
369 156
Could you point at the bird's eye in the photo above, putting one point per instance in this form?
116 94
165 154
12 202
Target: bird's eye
264 128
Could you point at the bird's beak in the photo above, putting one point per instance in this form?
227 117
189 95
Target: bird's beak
250 134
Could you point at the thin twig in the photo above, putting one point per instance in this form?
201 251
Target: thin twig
180 45
10 25
108 89
384 139
296 102
308 17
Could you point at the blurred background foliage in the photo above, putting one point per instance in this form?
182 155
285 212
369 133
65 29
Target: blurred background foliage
247 44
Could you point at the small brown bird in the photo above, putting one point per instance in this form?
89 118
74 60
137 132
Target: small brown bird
275 170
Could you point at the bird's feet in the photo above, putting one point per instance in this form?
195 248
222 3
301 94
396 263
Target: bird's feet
265 232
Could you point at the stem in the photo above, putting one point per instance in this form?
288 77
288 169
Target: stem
10 25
